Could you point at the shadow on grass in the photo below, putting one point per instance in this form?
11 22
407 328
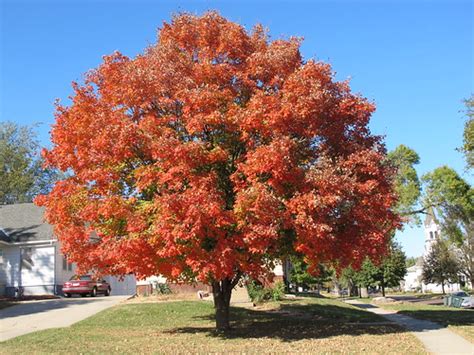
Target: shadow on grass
292 322
309 294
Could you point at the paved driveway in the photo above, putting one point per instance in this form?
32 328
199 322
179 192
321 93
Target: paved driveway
31 316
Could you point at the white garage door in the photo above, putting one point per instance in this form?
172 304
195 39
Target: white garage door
37 270
127 286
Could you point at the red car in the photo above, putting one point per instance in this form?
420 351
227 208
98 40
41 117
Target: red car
86 285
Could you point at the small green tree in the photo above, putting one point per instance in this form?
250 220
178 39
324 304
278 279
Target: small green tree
21 174
411 261
348 278
440 266
393 267
300 274
391 270
368 275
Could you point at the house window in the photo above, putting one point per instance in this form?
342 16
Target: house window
436 234
431 235
66 266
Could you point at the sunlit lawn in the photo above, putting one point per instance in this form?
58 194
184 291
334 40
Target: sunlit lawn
305 325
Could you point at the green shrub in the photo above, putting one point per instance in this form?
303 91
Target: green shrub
162 288
255 291
259 294
278 291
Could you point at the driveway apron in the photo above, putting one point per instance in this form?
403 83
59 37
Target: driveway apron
32 316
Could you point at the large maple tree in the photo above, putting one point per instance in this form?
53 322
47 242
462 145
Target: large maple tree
213 153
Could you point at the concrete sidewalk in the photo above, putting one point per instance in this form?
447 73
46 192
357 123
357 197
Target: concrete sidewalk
436 338
31 316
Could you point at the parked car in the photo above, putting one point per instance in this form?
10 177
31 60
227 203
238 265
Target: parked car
467 300
86 285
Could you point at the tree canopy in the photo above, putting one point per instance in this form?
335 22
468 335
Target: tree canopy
21 174
468 136
406 183
210 154
301 277
388 273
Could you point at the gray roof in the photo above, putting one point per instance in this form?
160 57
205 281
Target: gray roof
23 222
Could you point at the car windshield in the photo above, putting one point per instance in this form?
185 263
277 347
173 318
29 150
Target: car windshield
461 294
81 277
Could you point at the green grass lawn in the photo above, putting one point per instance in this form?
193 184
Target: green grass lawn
302 325
458 320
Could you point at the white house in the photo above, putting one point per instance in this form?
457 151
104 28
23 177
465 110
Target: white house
30 255
413 279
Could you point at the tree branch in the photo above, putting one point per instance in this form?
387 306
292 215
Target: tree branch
421 210
236 279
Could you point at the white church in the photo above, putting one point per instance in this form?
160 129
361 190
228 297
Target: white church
413 279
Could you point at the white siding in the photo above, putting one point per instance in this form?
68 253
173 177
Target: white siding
62 275
278 270
37 269
412 279
10 267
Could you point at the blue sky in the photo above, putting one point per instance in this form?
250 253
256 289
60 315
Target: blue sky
414 59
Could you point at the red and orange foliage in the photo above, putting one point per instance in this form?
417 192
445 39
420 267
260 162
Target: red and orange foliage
212 153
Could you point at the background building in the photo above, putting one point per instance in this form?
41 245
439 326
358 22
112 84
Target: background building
413 279
31 262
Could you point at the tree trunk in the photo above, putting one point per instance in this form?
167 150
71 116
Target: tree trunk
364 292
442 287
383 288
354 291
337 289
222 292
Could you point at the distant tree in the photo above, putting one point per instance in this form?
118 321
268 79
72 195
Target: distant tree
348 278
468 141
406 183
453 200
440 266
411 261
21 174
393 267
388 273
300 274
368 275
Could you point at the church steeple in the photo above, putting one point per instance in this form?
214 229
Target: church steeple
432 230
430 217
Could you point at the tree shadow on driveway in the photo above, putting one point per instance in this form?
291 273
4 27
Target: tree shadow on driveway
36 307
